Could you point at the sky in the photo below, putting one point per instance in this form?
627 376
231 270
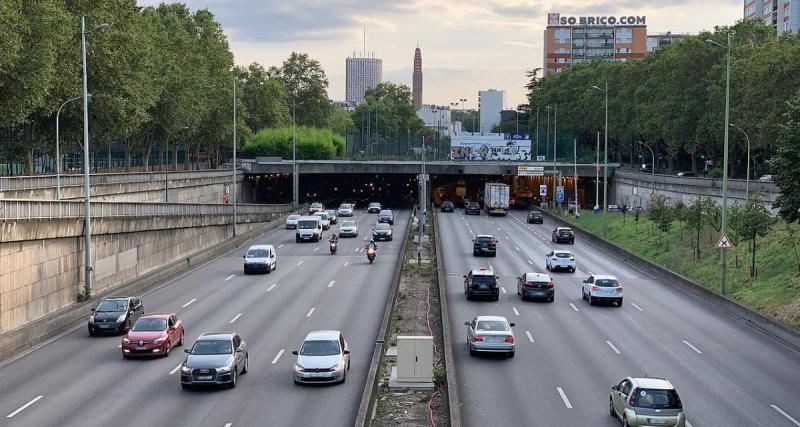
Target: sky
467 45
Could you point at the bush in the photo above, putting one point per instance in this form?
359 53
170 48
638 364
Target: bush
312 144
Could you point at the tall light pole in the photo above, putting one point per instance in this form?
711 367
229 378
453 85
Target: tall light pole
537 132
597 175
58 150
747 178
87 219
555 147
724 222
605 163
547 150
653 180
235 78
575 176
295 181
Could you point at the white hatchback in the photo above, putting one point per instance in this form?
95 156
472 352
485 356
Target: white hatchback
602 288
560 259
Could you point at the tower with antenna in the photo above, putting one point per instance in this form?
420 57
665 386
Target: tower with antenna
362 72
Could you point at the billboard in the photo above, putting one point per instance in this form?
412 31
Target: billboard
555 19
496 146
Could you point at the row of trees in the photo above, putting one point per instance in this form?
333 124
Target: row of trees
675 98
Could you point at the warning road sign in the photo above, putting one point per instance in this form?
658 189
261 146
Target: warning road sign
652 196
724 242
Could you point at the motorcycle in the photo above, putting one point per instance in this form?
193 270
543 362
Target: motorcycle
371 255
333 245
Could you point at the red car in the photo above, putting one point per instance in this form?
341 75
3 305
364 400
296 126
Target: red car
153 335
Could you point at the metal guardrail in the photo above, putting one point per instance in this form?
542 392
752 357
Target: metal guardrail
68 180
47 209
737 184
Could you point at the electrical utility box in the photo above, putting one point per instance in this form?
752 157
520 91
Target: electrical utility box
415 359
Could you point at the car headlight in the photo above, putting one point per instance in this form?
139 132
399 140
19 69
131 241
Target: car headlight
126 340
158 341
121 319
224 370
91 318
186 369
299 368
338 366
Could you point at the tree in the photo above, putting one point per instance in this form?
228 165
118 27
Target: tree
756 222
662 214
784 165
622 202
341 121
470 119
697 217
264 98
387 111
306 87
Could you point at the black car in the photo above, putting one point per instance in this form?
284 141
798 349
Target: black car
386 216
535 217
382 231
114 315
484 244
447 206
472 208
563 234
215 359
481 283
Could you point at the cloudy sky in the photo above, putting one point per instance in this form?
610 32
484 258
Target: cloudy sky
467 45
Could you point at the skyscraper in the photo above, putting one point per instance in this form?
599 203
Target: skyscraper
417 79
782 15
362 74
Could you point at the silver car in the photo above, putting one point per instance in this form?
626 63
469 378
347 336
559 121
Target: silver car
332 215
345 209
349 228
602 287
324 219
215 359
646 402
323 358
291 221
490 334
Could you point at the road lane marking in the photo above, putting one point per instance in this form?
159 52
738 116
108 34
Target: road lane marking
175 369
230 277
227 424
22 408
119 346
277 356
281 245
636 306
564 398
506 237
612 347
330 285
503 289
797 423
498 229
573 307
530 337
300 263
310 312
316 249
530 262
356 250
346 264
515 311
235 318
590 272
692 347
516 247
272 287
189 303
688 424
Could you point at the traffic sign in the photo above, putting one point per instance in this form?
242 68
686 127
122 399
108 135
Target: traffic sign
652 196
539 158
724 242
530 170
560 189
559 197
542 190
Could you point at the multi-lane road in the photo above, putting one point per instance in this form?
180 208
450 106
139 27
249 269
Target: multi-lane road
569 353
77 380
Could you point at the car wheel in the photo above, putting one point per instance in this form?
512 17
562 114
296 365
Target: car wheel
572 270
473 353
124 356
591 300
547 267
611 408
296 239
625 422
553 298
233 378
297 382
344 377
619 302
184 386
91 334
166 351
511 355
497 297
269 269
246 364
180 343
127 326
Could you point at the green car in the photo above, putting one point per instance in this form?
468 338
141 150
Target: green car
646 402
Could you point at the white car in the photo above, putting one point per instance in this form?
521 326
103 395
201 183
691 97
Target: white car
324 219
260 258
349 228
602 287
560 259
323 358
291 222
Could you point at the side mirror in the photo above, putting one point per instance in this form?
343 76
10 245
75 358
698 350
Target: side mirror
464 276
295 352
347 352
238 350
92 310
512 324
244 256
187 350
466 323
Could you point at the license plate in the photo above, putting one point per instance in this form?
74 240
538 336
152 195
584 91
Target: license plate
140 349
657 421
100 325
204 378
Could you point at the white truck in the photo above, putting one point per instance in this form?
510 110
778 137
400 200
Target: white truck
496 197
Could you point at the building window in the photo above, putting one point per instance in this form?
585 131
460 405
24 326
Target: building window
562 35
786 26
624 50
624 35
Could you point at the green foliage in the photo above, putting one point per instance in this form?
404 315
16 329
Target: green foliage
387 110
784 165
439 376
307 89
470 120
662 214
312 143
264 98
341 121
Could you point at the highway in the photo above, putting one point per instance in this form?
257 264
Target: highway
84 381
570 353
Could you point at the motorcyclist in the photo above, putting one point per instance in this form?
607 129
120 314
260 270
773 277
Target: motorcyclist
333 238
372 244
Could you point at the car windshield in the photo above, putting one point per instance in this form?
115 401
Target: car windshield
447 203
485 239
331 213
383 226
492 326
606 283
374 205
563 254
316 205
386 213
345 206
143 325
257 253
293 217
322 215
320 348
473 204
112 306
348 224
657 399
307 224
565 232
212 347
536 214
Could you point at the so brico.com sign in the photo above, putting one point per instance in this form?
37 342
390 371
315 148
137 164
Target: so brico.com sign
602 20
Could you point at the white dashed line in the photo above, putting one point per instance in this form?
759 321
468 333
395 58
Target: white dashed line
692 347
22 408
530 337
573 307
516 247
499 229
300 263
189 303
590 273
346 264
612 347
235 318
272 287
310 312
281 245
503 289
530 262
797 423
277 356
230 277
688 424
227 424
316 249
564 398
175 369
506 237
636 306
355 250
119 346
515 311
330 285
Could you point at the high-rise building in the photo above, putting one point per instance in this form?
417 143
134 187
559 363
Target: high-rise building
490 104
783 15
570 40
656 41
362 74
417 79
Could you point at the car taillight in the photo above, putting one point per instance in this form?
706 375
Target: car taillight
620 288
510 340
595 289
572 258
549 284
478 338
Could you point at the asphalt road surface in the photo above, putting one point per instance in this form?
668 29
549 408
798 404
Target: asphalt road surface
569 353
77 380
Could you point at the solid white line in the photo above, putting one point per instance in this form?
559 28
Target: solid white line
230 277
272 287
573 307
564 398
797 423
515 311
281 245
503 289
612 347
316 249
22 408
235 318
300 263
189 303
310 312
530 337
277 356
175 369
330 285
692 347
636 306
516 247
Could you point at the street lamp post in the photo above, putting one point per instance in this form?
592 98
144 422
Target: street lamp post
58 150
87 219
605 162
747 178
597 175
547 150
724 222
234 155
653 180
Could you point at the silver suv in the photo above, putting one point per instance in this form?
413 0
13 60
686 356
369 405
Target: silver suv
646 402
